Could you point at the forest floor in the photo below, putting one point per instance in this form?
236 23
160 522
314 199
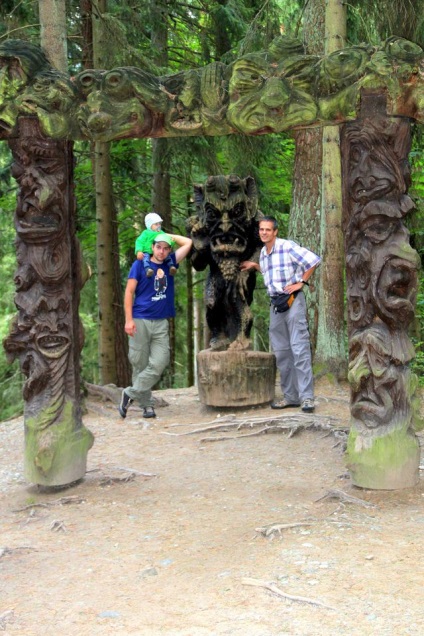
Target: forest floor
184 535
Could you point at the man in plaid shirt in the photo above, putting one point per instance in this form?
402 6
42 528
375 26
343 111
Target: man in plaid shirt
286 268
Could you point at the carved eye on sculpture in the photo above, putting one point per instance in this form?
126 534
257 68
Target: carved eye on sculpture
355 155
247 76
345 65
238 211
212 213
378 229
117 83
402 49
89 80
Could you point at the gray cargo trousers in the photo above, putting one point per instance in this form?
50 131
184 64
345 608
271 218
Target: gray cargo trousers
290 342
149 355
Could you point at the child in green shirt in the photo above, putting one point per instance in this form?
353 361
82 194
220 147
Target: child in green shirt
143 244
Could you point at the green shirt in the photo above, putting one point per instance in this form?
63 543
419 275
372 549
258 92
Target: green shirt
144 241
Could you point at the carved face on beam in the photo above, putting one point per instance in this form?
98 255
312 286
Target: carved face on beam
120 103
52 97
270 97
342 68
19 62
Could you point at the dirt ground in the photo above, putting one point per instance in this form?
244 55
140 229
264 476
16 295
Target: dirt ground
167 532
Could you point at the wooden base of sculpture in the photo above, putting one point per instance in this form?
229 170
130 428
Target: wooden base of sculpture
235 378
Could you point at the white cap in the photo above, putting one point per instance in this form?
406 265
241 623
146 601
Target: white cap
151 218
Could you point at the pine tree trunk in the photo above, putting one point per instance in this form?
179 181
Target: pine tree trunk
305 211
105 276
53 32
161 186
330 352
114 366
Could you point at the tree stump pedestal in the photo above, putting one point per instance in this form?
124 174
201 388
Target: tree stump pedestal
235 378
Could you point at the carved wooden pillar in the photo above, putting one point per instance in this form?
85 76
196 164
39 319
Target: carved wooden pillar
46 335
381 269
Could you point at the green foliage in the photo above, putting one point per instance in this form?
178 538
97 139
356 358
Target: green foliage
11 379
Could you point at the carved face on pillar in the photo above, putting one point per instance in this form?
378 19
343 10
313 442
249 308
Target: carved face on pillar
378 375
394 264
371 176
39 215
42 334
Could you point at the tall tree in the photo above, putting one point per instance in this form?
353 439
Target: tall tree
305 210
330 351
53 32
113 361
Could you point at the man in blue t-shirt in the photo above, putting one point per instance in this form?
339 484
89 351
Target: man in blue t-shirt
148 303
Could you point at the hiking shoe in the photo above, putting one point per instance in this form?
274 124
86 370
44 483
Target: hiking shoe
308 405
149 272
126 401
172 270
149 411
283 404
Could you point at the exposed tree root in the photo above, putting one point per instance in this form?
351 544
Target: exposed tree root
74 499
291 424
276 528
276 590
345 498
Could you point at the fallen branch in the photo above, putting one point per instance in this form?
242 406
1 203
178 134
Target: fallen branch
73 499
276 590
108 479
345 498
136 472
57 525
276 528
6 551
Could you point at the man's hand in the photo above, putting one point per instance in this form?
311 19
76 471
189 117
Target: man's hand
246 265
289 289
130 328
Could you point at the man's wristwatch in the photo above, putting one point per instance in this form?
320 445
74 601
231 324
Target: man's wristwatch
304 282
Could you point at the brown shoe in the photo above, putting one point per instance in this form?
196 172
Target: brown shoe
283 404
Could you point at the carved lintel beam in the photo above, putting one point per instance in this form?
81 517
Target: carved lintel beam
273 90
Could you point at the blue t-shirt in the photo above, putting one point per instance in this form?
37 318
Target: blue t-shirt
154 296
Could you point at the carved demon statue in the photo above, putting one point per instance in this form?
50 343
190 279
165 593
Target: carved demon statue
224 233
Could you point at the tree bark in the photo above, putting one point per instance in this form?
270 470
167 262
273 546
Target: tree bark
330 352
114 366
53 32
305 211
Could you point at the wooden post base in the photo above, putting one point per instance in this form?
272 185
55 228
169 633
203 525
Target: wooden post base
235 378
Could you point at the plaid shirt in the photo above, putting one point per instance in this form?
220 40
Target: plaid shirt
285 265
